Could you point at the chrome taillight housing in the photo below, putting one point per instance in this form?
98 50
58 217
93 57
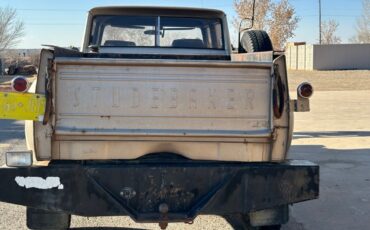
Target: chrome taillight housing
305 90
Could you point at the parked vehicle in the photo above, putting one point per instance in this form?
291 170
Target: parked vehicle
157 119
26 70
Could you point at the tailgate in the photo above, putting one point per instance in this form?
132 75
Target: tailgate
162 98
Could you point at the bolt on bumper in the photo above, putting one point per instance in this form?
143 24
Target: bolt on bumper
155 192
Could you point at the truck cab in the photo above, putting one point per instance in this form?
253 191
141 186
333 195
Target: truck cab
158 30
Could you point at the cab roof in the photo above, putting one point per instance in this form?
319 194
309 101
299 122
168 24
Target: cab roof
156 10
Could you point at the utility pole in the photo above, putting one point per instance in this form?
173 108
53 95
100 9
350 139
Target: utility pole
320 21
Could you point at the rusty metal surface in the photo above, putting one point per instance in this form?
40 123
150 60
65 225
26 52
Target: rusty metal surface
266 57
144 189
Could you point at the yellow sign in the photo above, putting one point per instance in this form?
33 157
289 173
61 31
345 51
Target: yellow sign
22 106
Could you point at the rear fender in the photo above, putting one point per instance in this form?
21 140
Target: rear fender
38 134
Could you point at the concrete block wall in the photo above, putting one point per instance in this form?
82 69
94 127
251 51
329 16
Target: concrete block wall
328 57
341 57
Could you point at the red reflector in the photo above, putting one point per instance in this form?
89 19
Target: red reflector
20 84
305 90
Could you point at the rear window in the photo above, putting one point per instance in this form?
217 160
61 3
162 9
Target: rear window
148 31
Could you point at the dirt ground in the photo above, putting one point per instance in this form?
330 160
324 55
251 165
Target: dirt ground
331 80
335 134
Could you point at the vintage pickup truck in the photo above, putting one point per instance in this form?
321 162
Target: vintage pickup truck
157 118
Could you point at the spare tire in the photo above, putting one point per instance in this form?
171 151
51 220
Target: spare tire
255 41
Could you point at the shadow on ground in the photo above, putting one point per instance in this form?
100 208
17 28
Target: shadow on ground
300 135
344 184
322 153
107 228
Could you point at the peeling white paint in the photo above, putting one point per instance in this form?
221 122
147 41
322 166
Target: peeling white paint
39 182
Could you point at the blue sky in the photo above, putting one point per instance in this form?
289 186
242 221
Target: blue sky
62 22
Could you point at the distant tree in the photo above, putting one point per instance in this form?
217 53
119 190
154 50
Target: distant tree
244 9
11 28
278 18
34 59
282 23
363 25
328 30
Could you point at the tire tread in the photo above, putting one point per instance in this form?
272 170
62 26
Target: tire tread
255 41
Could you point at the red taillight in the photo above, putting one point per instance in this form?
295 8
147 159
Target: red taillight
20 84
305 90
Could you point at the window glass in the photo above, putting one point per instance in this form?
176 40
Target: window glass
143 31
124 31
125 36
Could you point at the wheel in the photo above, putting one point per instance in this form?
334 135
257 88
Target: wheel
272 227
241 222
41 219
255 41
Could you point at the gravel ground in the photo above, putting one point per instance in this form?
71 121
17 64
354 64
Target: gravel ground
348 80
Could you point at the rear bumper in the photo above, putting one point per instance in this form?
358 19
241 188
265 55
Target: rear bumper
144 190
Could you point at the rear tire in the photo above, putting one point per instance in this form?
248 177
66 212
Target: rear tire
241 222
272 227
255 41
41 219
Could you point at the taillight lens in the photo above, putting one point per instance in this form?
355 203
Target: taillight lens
19 84
305 90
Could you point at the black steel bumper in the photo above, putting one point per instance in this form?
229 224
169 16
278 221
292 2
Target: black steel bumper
144 191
